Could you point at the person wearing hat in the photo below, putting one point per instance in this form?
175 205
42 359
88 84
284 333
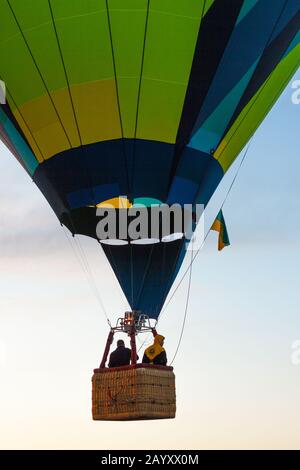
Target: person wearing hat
155 354
120 356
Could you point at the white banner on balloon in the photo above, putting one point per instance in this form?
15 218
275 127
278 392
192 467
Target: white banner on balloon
2 92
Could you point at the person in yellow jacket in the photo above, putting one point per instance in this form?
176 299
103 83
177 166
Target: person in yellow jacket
155 354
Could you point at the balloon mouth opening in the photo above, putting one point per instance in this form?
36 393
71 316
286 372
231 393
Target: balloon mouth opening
172 237
146 226
143 241
114 242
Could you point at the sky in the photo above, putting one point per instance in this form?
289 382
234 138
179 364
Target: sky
237 369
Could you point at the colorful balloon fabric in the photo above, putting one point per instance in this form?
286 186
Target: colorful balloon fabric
147 100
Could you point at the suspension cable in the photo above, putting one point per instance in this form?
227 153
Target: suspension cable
90 272
189 268
206 235
83 261
185 310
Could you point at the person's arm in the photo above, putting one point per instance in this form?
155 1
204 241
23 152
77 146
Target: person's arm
111 361
145 359
162 358
165 358
129 355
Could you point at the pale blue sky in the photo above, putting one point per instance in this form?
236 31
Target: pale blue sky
236 384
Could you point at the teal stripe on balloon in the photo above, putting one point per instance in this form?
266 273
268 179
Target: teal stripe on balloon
208 136
248 5
146 201
20 145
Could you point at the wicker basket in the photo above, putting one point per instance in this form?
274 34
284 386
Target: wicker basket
133 392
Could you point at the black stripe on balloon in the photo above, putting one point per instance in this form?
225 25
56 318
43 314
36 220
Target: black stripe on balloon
269 60
110 256
215 30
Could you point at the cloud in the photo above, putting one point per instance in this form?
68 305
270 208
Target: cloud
28 226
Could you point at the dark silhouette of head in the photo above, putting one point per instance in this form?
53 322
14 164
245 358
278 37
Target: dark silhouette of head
120 343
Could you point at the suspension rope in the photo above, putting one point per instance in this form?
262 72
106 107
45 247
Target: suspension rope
189 268
83 261
145 340
131 272
145 274
92 277
185 310
206 235
185 314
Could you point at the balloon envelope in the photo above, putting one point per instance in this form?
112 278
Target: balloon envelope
150 101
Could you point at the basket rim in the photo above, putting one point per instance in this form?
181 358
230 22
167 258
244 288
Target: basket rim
132 366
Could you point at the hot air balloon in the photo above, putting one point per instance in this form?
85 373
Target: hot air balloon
118 103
